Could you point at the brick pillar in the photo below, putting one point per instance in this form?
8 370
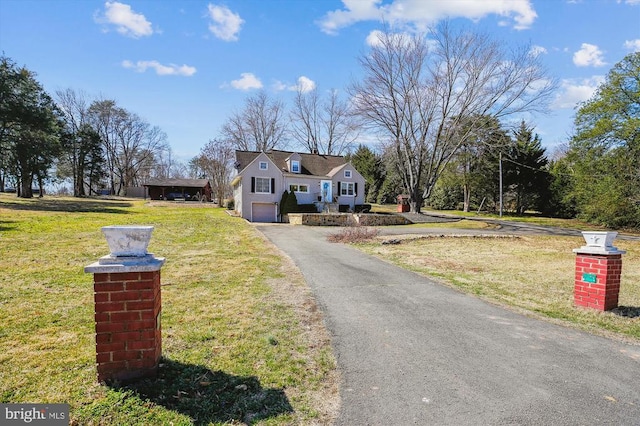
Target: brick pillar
597 273
597 282
127 315
128 332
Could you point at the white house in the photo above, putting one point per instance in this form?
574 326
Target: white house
323 180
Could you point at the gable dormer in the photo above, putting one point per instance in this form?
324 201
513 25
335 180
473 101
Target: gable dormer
294 163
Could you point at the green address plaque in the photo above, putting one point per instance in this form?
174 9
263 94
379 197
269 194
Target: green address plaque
589 278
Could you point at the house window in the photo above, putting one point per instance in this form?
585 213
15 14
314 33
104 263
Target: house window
295 166
263 165
347 188
299 188
347 174
263 185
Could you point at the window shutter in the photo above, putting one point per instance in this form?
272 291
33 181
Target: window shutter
253 184
355 190
273 185
339 189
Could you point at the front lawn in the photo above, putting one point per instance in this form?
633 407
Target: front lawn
532 274
242 338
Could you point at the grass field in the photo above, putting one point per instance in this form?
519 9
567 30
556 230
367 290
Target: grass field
243 341
531 274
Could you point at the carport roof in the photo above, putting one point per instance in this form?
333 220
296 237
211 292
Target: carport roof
186 183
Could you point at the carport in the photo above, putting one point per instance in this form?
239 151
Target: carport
185 189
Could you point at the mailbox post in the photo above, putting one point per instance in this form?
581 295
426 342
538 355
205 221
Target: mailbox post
597 272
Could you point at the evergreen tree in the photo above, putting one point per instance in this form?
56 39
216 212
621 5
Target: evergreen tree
371 167
525 172
30 127
291 203
283 203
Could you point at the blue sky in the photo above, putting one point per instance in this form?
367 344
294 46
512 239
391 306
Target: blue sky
185 66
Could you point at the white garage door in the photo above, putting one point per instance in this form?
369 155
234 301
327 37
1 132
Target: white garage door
263 212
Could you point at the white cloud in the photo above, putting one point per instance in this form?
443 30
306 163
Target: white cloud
247 81
304 84
126 21
226 24
171 69
537 51
421 13
573 91
633 45
631 2
589 55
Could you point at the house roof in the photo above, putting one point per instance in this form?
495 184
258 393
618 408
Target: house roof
187 183
310 164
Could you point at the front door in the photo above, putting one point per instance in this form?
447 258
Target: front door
326 191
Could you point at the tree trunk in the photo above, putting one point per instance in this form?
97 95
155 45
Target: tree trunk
25 185
40 187
467 197
415 201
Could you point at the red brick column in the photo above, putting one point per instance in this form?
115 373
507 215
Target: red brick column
597 280
127 315
128 332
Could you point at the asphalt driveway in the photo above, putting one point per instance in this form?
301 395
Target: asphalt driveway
411 351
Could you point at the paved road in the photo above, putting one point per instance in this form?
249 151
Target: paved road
412 352
502 226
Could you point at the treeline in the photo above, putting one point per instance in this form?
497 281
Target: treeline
94 143
595 176
437 111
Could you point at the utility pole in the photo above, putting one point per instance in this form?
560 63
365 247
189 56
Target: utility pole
500 183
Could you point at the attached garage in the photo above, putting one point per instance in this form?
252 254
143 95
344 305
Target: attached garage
264 212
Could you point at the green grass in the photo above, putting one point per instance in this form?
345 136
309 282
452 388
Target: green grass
242 341
533 274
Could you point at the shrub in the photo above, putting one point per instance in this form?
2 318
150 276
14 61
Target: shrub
307 208
291 203
353 234
230 204
283 202
363 208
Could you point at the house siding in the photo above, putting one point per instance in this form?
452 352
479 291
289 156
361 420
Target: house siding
245 199
242 190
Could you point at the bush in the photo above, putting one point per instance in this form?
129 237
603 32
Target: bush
283 202
290 204
363 208
353 234
230 204
307 208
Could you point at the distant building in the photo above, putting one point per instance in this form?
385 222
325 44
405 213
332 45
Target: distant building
181 189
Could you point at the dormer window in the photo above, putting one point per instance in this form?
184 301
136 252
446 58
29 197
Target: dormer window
347 174
263 165
295 166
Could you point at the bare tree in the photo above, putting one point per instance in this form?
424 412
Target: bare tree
81 156
131 144
215 162
322 127
418 93
260 126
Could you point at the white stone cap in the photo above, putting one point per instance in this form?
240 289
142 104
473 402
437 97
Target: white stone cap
115 264
599 242
599 250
